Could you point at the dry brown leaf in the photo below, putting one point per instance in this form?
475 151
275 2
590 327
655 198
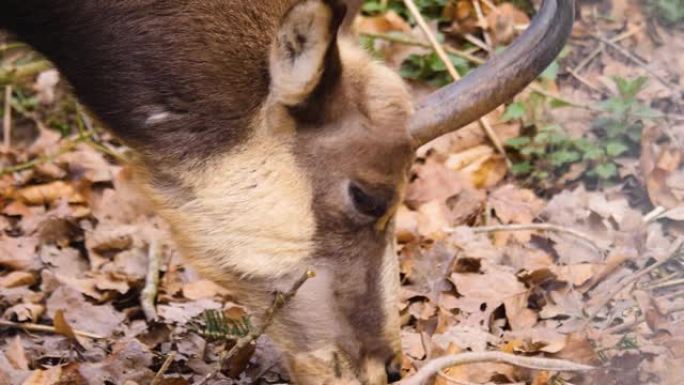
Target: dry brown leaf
503 22
518 315
405 224
19 253
44 377
48 193
433 181
62 326
386 22
16 355
25 312
17 278
86 163
412 344
432 220
102 320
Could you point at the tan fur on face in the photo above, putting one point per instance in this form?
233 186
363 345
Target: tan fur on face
251 213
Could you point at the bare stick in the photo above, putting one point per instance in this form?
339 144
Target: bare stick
637 61
629 281
7 118
534 226
280 300
439 50
148 297
165 366
430 369
636 321
483 24
598 49
31 327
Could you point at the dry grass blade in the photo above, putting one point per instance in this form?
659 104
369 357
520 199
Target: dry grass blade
430 369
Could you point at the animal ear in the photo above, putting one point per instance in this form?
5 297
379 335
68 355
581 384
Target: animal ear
304 54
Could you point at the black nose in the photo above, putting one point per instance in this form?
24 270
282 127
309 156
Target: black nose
393 370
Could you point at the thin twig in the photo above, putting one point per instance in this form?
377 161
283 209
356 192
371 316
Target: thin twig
165 366
441 53
280 300
483 24
630 280
7 118
636 321
532 227
424 374
666 284
638 61
654 214
148 297
599 49
31 327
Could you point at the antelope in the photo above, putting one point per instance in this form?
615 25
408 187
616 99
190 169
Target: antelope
271 143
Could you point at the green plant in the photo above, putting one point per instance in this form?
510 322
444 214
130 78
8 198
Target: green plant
215 325
432 9
431 69
546 152
668 11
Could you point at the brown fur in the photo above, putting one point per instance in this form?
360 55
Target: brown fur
252 172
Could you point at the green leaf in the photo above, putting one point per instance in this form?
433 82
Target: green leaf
616 148
561 158
518 143
551 72
521 168
514 110
606 170
629 88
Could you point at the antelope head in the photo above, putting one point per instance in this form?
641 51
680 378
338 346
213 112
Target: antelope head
272 144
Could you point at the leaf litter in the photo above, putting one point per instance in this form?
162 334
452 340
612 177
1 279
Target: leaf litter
76 232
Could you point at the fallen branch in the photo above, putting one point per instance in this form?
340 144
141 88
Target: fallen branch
532 227
430 369
31 327
280 300
148 296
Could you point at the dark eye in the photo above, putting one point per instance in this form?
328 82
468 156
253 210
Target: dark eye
366 203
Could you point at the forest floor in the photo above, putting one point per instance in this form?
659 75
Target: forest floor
568 246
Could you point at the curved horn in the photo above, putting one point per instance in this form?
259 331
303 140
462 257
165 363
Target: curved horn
499 79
